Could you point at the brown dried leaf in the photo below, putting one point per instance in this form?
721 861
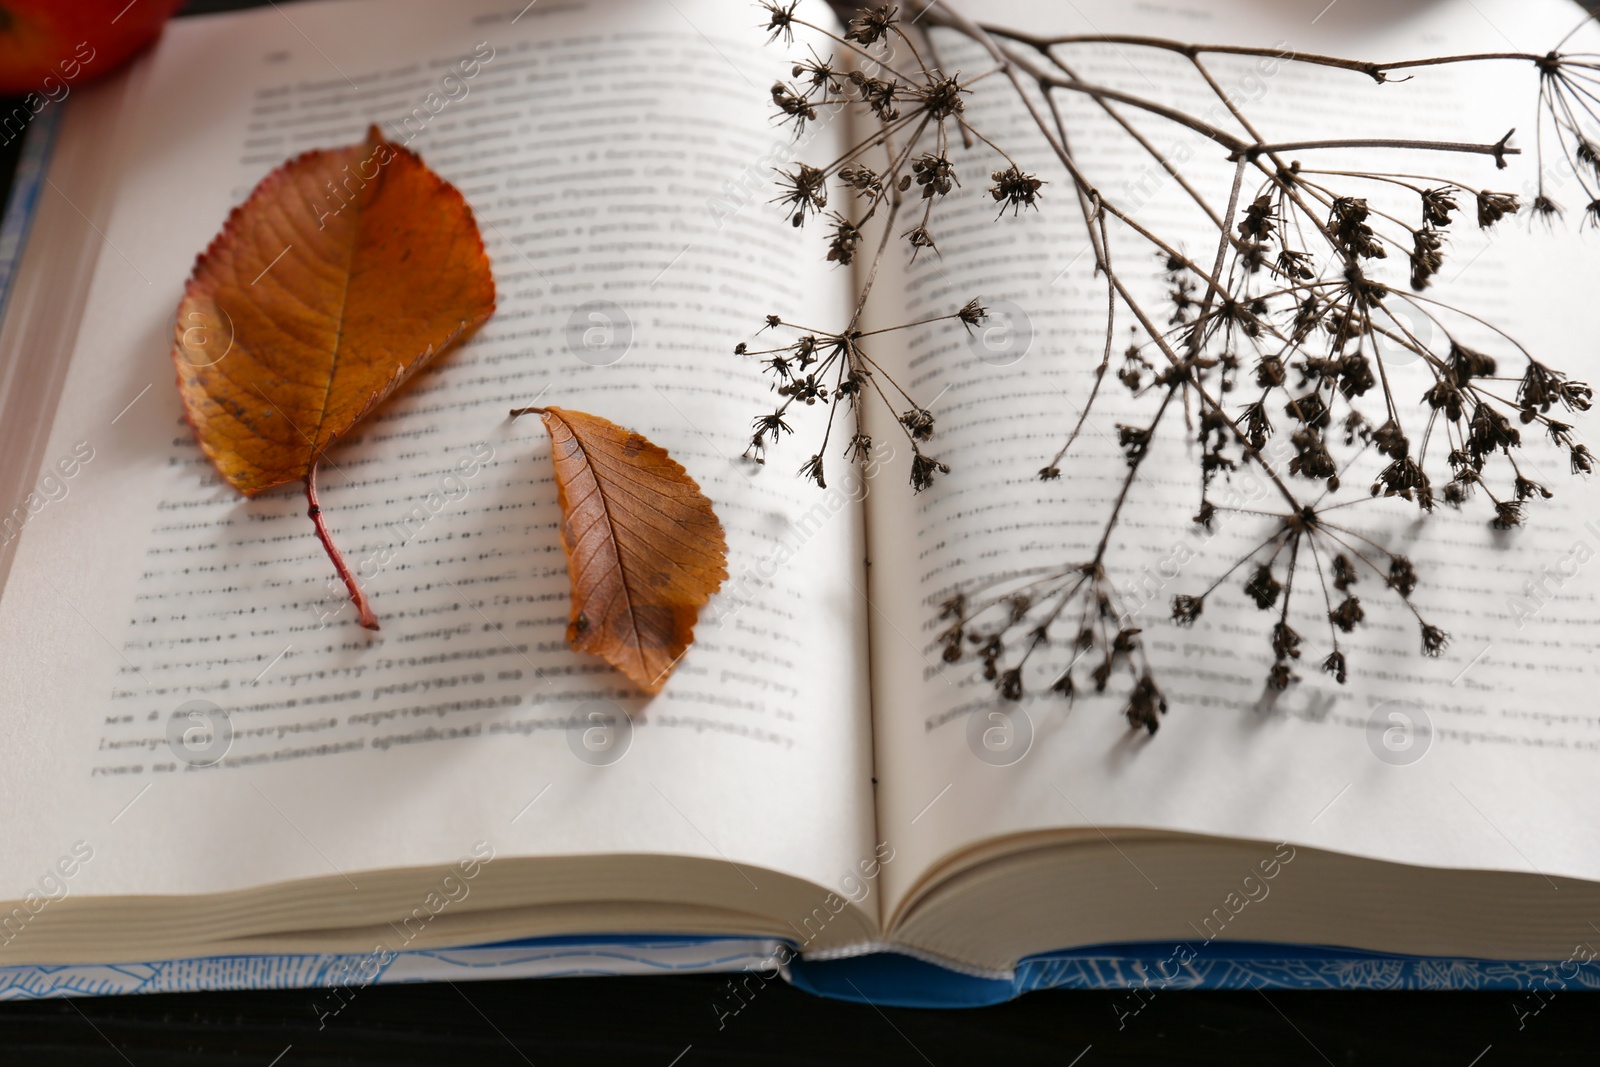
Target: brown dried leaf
644 549
343 274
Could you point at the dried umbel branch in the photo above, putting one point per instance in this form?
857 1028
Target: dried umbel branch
834 368
1272 345
902 169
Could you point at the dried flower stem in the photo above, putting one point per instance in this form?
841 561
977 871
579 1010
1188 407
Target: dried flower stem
1320 317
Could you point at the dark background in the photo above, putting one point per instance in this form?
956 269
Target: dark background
653 1020
671 1021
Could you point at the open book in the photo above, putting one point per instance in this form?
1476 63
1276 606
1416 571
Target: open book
813 774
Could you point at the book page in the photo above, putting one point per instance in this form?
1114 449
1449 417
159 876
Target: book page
1504 721
615 155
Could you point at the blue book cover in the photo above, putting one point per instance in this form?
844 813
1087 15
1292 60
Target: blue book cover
882 978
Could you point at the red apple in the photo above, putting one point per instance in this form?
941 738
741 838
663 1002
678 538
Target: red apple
48 46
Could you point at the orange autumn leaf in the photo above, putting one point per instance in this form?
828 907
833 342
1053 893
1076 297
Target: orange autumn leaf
343 274
644 549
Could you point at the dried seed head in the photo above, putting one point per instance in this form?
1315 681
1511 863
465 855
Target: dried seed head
1507 514
1186 609
1434 640
843 241
1426 257
1582 459
780 20
920 238
805 190
1492 207
1285 641
1262 587
923 469
1134 441
1546 210
935 174
873 26
942 97
1347 222
878 94
918 423
1347 614
812 468
1146 704
793 105
1468 364
1402 575
1014 189
1259 218
1344 572
863 180
1437 204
